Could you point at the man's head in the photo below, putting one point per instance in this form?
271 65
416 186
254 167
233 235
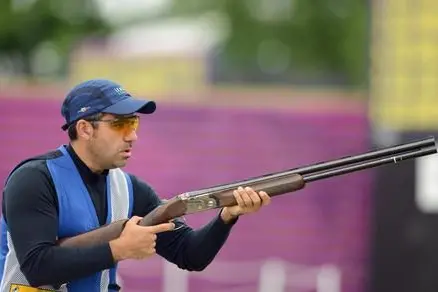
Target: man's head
101 119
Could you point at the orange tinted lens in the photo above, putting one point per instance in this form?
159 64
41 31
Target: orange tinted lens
125 125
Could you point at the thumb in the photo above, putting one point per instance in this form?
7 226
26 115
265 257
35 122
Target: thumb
134 220
162 227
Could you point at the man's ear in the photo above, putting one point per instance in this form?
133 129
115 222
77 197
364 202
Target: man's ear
84 129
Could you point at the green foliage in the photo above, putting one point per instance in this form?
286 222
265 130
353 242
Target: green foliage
319 37
23 28
322 35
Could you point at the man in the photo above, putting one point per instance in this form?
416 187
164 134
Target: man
80 186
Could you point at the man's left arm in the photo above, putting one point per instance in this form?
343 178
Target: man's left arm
194 249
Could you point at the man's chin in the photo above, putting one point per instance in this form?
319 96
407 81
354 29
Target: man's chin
120 164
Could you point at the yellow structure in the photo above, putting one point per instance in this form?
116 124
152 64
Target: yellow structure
144 75
404 69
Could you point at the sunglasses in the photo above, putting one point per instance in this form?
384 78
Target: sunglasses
123 124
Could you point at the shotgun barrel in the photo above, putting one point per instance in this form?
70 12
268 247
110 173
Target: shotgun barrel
344 165
274 184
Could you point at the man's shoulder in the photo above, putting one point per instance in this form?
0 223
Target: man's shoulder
145 197
140 185
33 166
29 183
137 180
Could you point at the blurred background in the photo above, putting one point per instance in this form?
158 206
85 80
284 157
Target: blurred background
244 88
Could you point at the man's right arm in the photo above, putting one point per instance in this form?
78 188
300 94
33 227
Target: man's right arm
31 214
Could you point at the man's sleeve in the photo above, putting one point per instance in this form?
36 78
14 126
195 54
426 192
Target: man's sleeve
189 249
31 214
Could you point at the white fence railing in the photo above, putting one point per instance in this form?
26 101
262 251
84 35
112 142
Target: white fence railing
269 275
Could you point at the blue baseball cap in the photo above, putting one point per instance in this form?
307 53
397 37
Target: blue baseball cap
101 96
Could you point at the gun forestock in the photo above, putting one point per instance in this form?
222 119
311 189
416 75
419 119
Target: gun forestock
225 197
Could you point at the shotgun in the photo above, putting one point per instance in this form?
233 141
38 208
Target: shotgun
274 184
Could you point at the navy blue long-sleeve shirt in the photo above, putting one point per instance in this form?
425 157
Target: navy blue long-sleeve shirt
30 209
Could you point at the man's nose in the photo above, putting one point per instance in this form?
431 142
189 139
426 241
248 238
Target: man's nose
131 136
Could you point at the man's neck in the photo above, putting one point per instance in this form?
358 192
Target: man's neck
86 159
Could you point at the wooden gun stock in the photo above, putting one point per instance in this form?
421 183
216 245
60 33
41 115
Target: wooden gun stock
274 184
178 206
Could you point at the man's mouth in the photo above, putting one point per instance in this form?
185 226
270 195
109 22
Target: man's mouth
127 152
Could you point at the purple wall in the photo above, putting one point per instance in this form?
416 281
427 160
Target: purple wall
183 149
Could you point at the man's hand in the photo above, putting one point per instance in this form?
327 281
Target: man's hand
137 242
248 201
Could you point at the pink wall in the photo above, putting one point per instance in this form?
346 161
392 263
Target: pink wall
183 149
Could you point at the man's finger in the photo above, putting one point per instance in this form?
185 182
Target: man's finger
162 227
266 199
238 199
254 196
134 220
246 199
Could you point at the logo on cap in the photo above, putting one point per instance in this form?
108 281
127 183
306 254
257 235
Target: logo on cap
83 109
119 91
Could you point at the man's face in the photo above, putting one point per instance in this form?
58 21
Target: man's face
112 140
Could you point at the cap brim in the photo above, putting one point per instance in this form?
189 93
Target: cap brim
130 106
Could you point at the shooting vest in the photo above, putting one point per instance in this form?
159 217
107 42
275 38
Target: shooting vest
76 215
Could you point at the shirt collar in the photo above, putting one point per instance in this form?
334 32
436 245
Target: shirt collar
82 167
